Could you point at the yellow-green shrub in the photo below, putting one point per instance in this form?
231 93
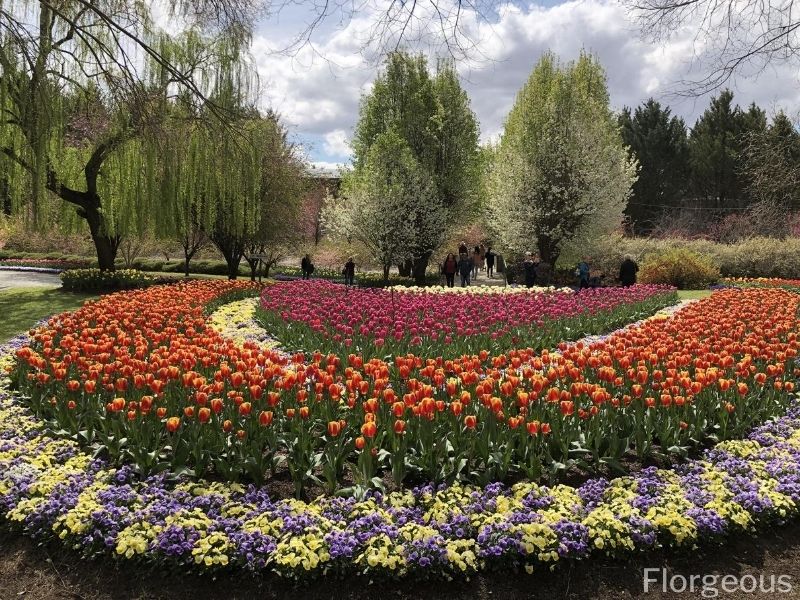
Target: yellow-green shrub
681 267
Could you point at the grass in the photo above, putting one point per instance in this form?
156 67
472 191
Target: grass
693 294
22 307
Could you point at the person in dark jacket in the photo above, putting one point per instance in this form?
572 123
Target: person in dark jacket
465 268
529 268
349 271
307 267
490 262
449 268
462 248
627 271
583 272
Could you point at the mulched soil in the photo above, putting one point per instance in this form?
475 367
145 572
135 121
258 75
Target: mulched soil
29 571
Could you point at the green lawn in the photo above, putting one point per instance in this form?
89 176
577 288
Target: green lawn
693 294
22 307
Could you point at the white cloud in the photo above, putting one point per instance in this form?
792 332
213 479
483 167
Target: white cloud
337 144
319 97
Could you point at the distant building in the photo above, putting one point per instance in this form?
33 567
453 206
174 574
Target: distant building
323 182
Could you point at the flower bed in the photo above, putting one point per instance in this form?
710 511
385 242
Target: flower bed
95 280
50 490
336 319
237 321
43 265
745 282
477 290
143 377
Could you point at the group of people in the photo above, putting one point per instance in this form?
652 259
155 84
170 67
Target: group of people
348 271
468 265
627 273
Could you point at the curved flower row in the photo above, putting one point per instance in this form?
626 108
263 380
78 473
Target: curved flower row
474 290
237 321
49 489
773 282
144 376
379 322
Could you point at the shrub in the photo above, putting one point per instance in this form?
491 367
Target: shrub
95 280
683 268
755 257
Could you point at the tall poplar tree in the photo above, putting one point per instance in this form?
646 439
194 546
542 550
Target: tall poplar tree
560 172
432 115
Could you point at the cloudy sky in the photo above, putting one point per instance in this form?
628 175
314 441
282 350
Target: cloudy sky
317 87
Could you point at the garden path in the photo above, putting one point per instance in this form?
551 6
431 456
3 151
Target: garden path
25 279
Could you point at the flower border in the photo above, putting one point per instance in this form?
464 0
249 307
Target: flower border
50 489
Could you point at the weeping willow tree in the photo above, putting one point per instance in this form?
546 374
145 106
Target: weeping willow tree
87 91
238 183
275 232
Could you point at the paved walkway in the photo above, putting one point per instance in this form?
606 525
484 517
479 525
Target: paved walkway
23 279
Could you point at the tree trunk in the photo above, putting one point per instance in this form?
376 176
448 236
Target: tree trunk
105 245
5 195
420 267
187 258
233 259
386 273
548 251
405 268
253 268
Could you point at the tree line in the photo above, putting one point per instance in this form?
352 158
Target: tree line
110 125
732 161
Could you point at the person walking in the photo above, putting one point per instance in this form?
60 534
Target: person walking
490 262
349 271
583 272
462 248
627 271
529 268
477 261
449 268
307 267
465 268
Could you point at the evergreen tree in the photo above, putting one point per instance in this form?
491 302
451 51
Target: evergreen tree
772 164
716 148
659 143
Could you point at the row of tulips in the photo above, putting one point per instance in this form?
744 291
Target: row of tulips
140 376
53 491
772 282
378 323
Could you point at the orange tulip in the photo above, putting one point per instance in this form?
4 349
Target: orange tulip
369 429
265 418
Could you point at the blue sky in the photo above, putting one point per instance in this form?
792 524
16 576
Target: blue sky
317 88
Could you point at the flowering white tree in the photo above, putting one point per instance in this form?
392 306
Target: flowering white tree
389 204
560 173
